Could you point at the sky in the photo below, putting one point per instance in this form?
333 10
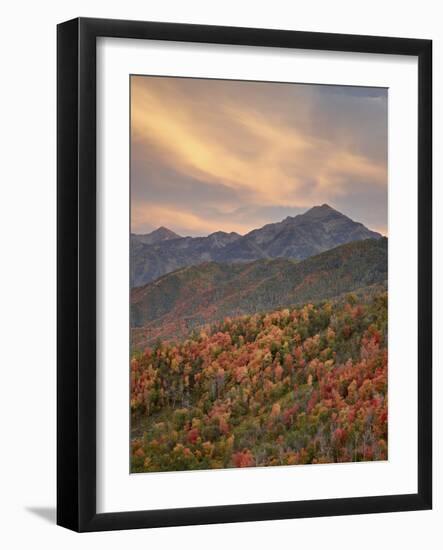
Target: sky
226 155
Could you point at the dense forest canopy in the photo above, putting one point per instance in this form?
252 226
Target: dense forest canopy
297 385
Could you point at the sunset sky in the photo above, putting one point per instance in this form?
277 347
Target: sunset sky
209 155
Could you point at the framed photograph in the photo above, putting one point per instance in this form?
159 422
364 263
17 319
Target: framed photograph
244 274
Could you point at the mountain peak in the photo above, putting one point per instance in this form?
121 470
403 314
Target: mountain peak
321 211
221 238
158 235
162 230
321 208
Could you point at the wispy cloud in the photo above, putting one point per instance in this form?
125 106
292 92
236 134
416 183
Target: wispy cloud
184 222
244 147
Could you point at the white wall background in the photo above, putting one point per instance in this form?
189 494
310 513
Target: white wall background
27 289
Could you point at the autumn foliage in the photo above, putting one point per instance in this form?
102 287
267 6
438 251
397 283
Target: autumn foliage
295 386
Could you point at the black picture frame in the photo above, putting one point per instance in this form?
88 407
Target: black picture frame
76 265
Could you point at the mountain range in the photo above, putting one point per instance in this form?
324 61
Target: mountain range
174 304
299 237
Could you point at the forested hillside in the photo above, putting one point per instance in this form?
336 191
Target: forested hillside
175 304
293 386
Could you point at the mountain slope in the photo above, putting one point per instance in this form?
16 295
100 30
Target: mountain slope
320 228
175 303
299 237
150 261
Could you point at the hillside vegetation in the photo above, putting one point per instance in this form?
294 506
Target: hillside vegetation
294 386
173 305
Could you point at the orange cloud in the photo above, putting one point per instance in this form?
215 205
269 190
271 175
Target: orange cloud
230 142
182 221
